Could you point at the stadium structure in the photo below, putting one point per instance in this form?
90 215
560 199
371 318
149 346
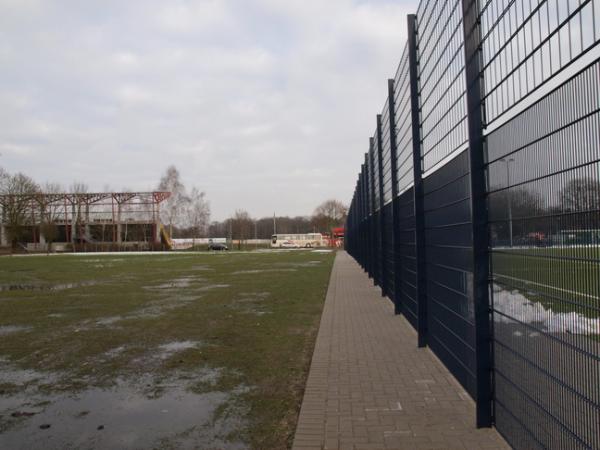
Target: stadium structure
84 221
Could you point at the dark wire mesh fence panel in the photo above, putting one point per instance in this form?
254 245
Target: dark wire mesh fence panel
387 248
449 253
376 180
527 43
406 237
364 221
442 80
404 142
376 230
404 204
388 251
544 202
386 155
370 215
378 267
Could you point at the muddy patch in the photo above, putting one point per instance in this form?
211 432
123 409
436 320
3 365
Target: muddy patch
121 417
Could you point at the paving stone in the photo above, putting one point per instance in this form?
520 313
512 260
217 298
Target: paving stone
370 387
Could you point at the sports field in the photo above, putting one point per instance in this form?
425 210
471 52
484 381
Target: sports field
565 279
157 351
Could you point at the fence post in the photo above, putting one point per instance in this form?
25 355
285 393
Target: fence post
479 218
382 238
419 207
397 294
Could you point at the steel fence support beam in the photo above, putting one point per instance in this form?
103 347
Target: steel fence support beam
479 215
397 294
419 208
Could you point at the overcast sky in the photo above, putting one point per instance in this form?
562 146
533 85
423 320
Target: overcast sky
266 105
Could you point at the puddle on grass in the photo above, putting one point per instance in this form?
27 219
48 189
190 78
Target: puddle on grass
157 355
202 268
250 303
254 311
10 329
250 271
114 352
21 377
210 287
56 315
45 287
121 417
301 264
102 260
183 282
253 296
109 320
166 350
152 309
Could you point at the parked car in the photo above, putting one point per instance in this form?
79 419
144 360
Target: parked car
217 246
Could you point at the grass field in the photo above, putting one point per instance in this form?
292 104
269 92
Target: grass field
564 279
158 351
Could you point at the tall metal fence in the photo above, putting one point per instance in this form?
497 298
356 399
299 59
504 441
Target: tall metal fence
477 208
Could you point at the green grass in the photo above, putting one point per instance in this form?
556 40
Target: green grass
564 279
218 301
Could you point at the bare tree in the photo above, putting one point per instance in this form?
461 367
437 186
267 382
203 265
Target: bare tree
329 214
174 207
241 226
17 198
198 213
79 187
50 206
581 195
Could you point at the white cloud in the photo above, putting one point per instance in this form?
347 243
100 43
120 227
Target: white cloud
266 104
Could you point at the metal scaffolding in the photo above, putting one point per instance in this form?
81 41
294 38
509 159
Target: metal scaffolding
83 218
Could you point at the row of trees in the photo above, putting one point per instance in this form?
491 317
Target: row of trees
329 214
520 212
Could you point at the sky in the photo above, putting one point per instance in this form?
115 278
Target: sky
266 105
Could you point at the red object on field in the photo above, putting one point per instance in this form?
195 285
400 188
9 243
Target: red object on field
337 237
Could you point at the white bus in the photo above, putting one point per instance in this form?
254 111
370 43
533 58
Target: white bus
309 240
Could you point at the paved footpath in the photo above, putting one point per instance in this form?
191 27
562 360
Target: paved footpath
370 387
